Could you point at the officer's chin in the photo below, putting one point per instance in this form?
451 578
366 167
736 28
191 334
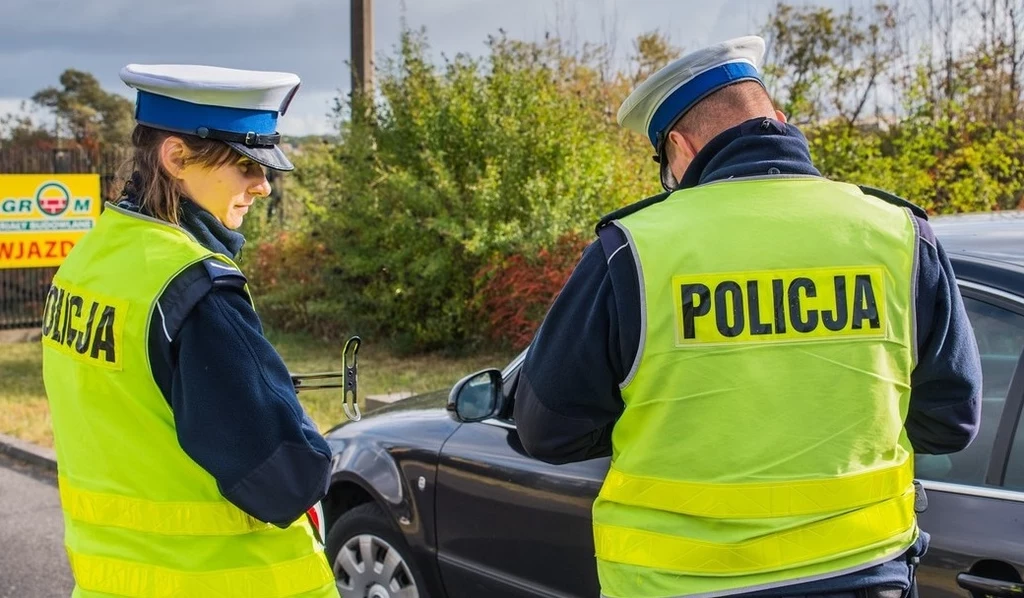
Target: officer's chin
235 218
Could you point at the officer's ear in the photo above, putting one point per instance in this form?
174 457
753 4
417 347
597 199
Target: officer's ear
680 147
173 156
780 116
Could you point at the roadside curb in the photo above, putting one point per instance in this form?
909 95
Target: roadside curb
28 453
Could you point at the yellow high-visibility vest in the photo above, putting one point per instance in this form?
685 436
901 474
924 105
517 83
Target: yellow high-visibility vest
141 517
762 440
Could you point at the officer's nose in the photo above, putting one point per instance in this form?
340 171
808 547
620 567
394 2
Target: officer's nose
261 186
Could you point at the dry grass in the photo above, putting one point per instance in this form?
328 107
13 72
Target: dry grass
23 409
24 412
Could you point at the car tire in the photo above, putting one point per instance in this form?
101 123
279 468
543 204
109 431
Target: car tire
363 534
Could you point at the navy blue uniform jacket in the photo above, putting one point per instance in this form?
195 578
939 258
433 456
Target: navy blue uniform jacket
568 395
234 404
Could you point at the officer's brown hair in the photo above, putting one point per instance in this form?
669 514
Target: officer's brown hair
144 177
723 109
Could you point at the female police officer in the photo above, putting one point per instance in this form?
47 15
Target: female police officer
186 462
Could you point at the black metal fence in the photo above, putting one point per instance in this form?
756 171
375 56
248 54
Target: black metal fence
23 290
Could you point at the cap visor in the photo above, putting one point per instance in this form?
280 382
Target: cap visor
271 157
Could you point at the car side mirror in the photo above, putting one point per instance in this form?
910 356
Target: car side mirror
476 397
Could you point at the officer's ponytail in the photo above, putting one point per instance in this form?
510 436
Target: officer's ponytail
148 185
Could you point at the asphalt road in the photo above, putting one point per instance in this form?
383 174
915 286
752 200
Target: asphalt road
32 559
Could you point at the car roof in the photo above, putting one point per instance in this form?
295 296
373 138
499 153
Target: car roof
997 236
985 247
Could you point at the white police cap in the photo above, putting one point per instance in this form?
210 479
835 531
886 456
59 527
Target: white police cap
238 107
661 100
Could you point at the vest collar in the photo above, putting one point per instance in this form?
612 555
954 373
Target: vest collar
757 147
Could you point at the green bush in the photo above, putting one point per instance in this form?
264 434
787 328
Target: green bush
500 155
943 166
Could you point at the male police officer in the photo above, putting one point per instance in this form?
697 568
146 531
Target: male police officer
761 351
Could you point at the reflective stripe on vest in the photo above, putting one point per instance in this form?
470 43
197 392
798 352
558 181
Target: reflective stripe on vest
756 500
852 531
127 578
173 518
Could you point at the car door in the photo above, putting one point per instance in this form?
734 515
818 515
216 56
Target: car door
975 509
509 525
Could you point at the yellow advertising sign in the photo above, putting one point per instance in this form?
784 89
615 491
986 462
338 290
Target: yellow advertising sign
42 216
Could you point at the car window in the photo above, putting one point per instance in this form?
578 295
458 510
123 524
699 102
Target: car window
1000 336
510 378
509 389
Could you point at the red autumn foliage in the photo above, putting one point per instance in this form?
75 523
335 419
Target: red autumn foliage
516 291
288 259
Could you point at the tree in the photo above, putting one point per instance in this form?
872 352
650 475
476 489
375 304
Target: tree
85 112
652 50
945 132
823 65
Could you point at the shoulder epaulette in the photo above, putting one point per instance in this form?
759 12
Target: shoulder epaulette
895 200
189 287
632 209
224 274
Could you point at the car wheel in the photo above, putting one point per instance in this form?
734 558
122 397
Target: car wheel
369 558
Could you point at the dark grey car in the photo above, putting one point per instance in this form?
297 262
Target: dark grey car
426 502
976 497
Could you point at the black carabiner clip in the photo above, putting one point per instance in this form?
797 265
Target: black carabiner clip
351 378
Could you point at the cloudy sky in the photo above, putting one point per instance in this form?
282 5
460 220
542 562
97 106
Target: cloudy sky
41 38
